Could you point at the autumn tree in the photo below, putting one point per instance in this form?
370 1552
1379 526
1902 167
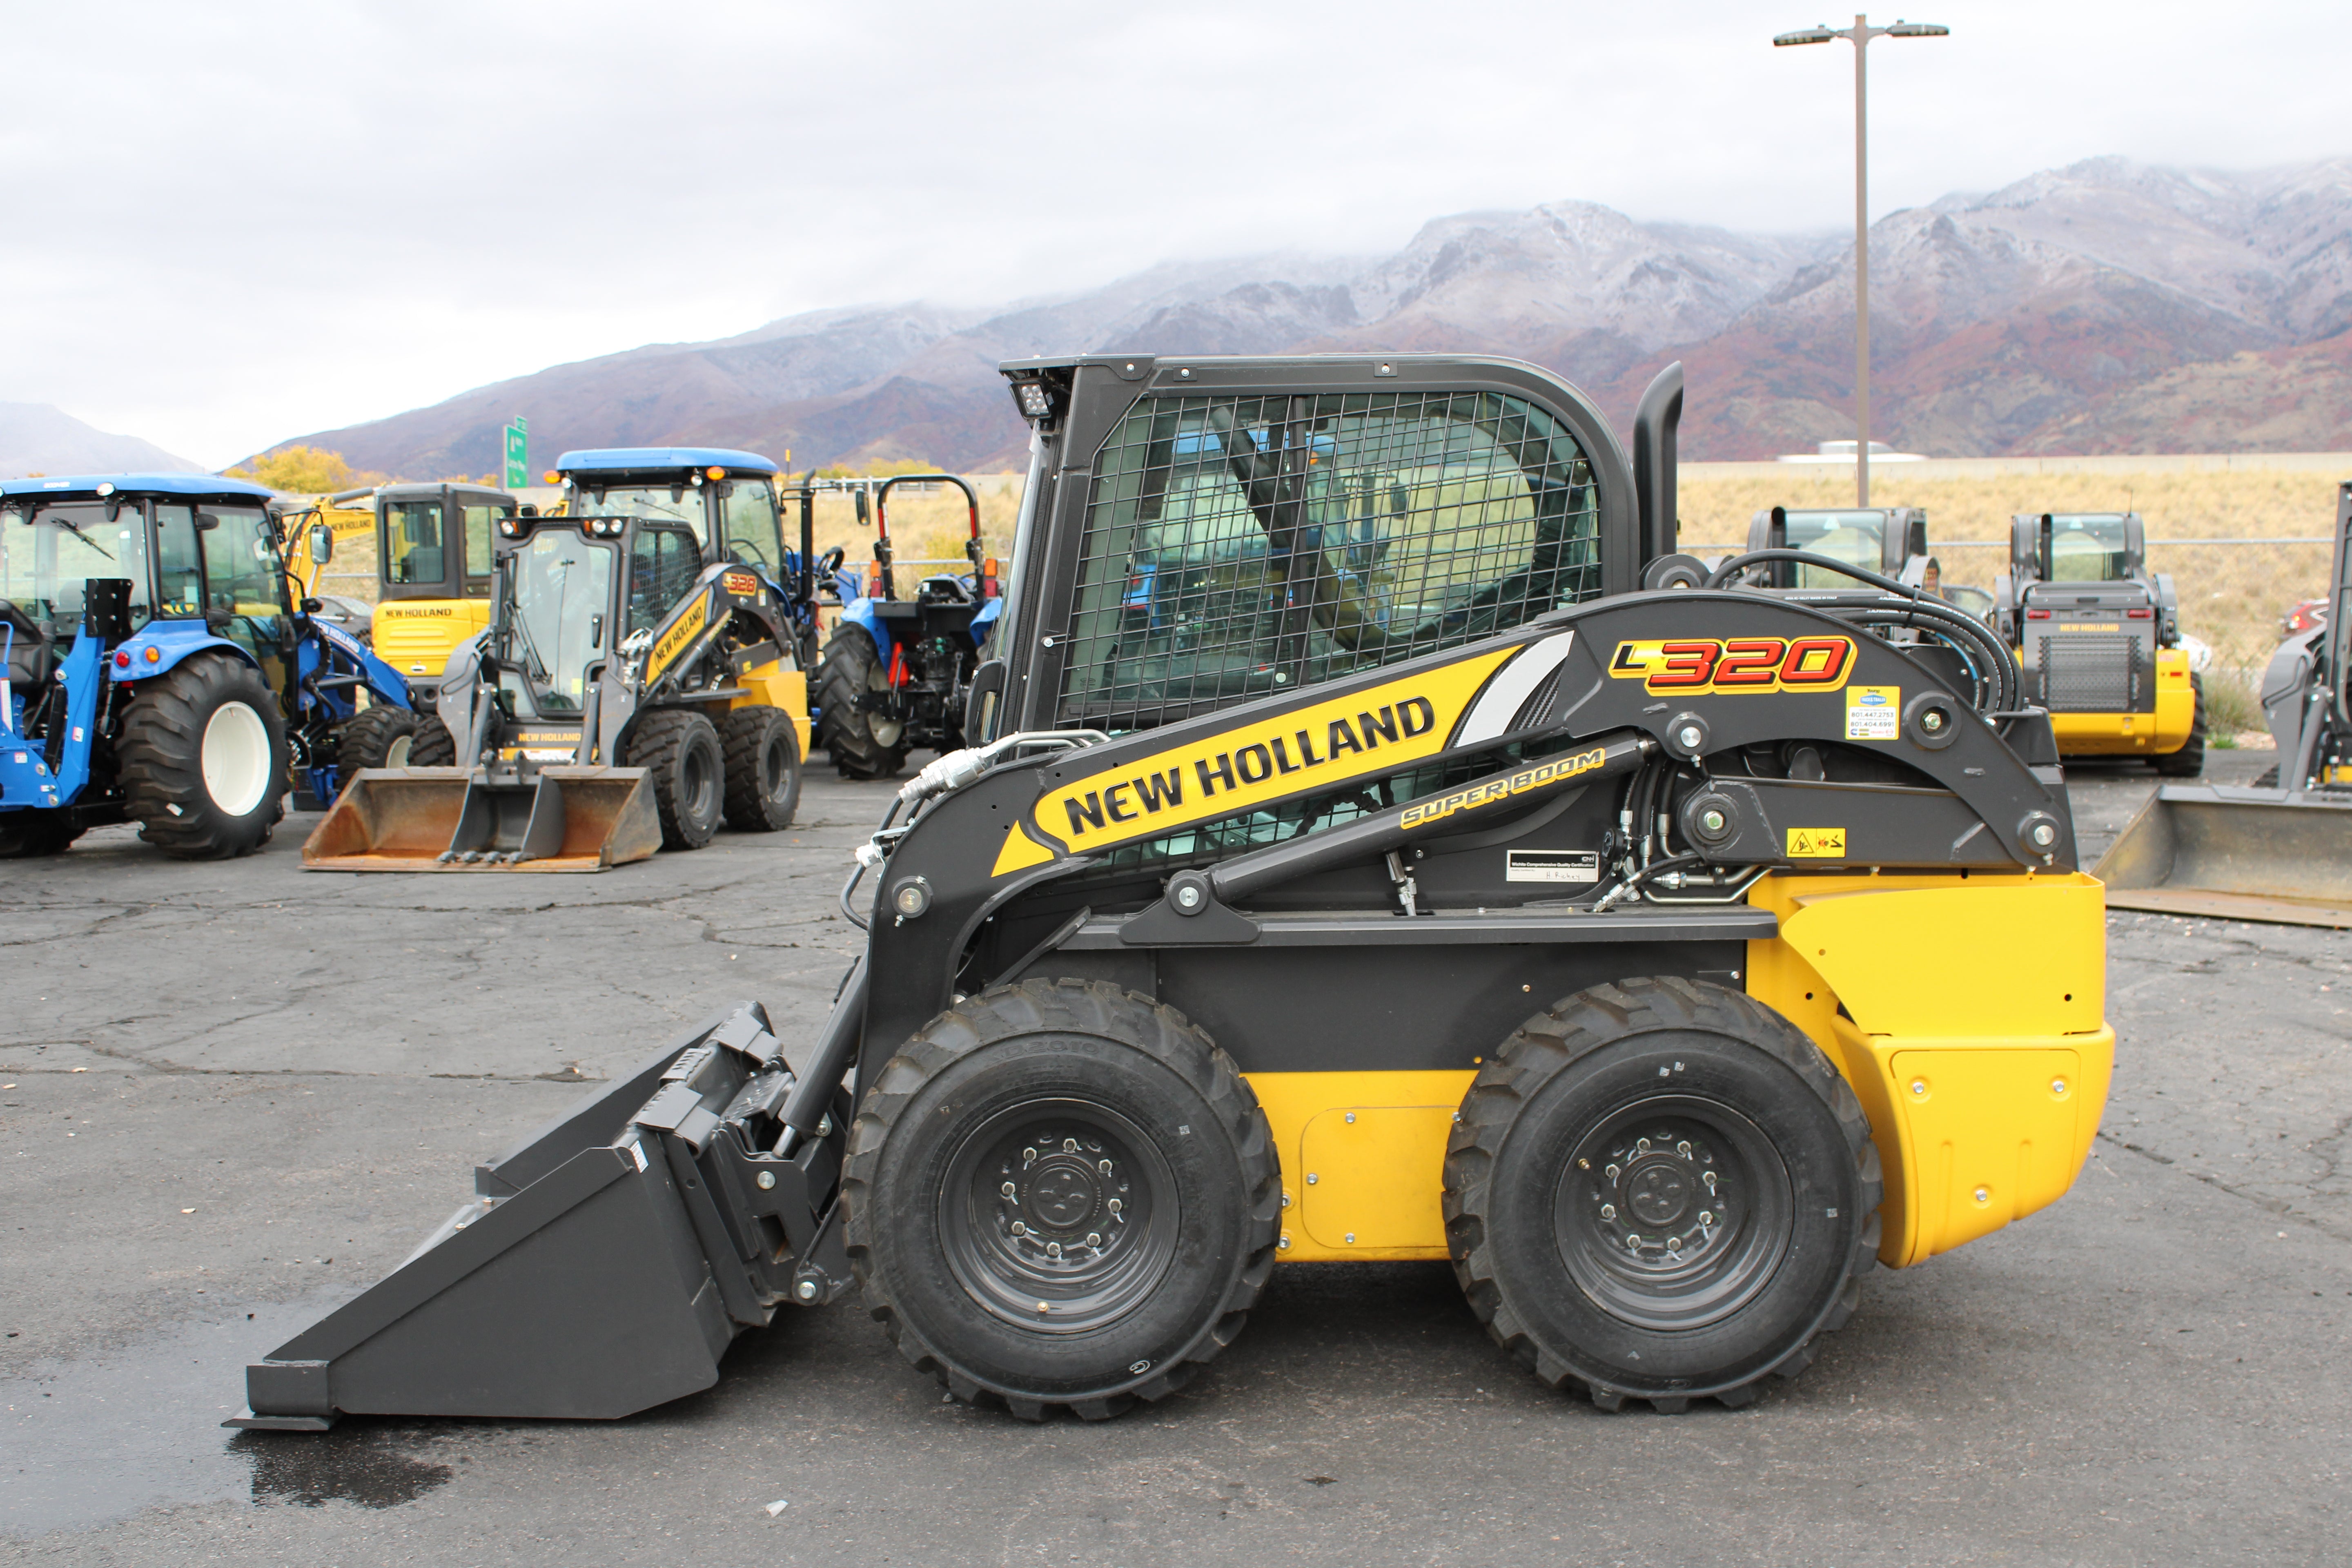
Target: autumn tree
301 471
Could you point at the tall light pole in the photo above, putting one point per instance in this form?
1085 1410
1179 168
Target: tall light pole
1860 33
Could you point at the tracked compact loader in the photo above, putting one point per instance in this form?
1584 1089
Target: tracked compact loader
637 685
2280 851
2099 636
1426 884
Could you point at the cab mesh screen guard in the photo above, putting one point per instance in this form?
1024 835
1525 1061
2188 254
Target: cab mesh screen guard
1241 546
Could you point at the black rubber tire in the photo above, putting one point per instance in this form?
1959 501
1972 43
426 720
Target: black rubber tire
2190 761
1205 1165
29 834
434 747
860 749
160 753
376 738
1593 1063
680 749
763 749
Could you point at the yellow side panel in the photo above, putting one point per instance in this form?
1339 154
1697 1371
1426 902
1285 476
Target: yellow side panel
416 637
771 685
1379 1178
1973 1034
2135 734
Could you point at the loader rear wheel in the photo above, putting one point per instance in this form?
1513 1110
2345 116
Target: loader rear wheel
2190 761
763 769
434 746
862 745
203 759
376 738
1061 1194
30 834
679 749
1661 1190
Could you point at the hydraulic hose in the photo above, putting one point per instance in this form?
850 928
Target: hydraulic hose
1957 623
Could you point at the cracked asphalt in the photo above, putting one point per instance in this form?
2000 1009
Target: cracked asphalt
236 1094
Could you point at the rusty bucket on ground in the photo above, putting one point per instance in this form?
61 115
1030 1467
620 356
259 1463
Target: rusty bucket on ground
461 819
2273 855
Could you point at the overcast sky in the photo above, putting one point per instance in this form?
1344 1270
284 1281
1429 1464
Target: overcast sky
230 224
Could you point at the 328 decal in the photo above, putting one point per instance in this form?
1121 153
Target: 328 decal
1693 666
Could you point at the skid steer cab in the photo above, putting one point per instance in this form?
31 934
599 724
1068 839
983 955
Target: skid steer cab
2281 850
2098 635
1415 884
165 669
637 685
433 547
897 672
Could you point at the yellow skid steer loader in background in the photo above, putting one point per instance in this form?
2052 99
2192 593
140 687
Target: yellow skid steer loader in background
637 685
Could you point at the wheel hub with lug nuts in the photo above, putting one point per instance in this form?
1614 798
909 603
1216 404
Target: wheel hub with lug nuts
1062 1199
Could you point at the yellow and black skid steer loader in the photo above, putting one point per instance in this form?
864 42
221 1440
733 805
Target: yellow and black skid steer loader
630 694
1417 881
2280 851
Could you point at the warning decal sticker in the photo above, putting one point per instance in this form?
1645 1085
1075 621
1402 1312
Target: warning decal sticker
1817 844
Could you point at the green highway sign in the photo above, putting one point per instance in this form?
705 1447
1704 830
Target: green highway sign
518 463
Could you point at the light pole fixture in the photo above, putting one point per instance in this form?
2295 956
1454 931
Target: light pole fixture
1860 35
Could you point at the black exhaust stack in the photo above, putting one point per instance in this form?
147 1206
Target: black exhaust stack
1655 423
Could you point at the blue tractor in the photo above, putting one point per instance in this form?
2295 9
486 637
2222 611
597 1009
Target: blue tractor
163 669
896 673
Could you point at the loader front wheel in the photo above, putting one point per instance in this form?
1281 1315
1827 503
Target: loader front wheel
32 833
1061 1194
376 738
205 759
862 744
679 749
434 746
1661 1190
763 769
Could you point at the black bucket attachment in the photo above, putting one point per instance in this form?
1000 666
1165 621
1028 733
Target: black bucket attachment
605 1263
2273 855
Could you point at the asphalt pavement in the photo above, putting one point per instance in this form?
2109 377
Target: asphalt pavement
236 1094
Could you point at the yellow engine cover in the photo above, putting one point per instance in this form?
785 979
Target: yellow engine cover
417 637
2158 734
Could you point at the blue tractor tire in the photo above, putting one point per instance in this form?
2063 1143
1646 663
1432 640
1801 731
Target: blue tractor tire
862 745
205 759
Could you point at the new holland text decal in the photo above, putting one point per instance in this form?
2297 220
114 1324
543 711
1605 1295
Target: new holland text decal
1691 666
1230 771
681 632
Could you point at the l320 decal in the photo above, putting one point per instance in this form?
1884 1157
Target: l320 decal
1697 665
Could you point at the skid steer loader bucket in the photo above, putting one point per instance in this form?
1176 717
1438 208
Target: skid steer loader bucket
459 819
2239 854
605 1265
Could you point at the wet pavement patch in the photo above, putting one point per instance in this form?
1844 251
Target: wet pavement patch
364 1465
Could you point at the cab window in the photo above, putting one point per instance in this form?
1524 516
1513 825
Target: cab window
415 546
749 531
46 557
479 521
178 573
245 592
2088 549
1236 547
662 564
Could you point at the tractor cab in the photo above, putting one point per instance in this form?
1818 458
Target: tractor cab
1890 540
2098 636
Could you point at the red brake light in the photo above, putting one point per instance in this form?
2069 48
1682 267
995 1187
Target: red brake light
121 659
2140 615
2037 615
